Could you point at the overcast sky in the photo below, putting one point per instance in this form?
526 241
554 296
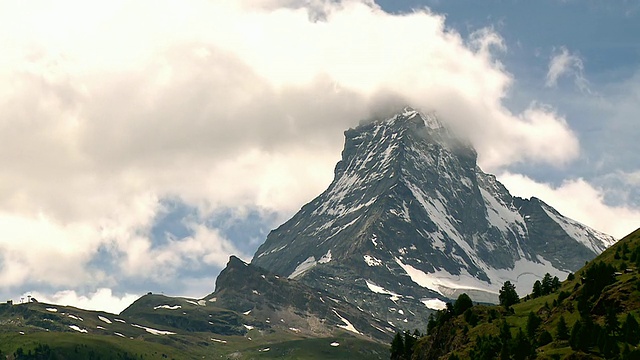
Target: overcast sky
143 142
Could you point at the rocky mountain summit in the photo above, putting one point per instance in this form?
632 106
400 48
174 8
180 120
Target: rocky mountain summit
410 221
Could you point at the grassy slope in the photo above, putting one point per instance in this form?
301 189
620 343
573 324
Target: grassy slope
27 325
79 346
625 292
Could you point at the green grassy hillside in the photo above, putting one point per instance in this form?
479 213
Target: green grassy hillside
161 327
600 306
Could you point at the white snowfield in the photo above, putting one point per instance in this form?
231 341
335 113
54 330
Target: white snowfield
168 307
523 275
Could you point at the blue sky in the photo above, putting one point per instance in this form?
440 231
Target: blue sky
146 141
603 36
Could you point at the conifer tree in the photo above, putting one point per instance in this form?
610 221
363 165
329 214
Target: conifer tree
462 304
547 284
611 321
576 334
505 338
508 295
562 331
522 348
544 338
397 347
533 322
409 341
630 330
537 289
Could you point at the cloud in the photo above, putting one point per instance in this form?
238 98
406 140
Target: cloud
102 299
564 63
109 109
578 200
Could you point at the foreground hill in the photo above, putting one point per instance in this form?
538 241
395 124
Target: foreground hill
594 314
252 314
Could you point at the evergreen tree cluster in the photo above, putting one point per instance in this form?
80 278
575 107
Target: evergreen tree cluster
587 335
602 330
505 346
462 305
634 256
596 278
546 287
402 345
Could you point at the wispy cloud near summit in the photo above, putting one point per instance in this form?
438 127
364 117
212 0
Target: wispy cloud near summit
564 63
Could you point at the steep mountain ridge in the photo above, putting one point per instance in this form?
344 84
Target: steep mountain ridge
410 219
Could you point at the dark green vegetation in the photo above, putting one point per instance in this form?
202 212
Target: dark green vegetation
594 314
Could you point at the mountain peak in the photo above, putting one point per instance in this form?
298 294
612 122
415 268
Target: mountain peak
235 262
409 115
411 220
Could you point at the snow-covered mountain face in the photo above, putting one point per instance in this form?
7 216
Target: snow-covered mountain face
410 221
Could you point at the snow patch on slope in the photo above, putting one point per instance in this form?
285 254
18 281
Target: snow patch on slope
372 261
348 326
303 267
501 216
325 258
78 329
380 290
153 331
522 275
434 304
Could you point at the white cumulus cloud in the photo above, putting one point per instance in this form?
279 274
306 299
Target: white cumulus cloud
106 109
102 299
